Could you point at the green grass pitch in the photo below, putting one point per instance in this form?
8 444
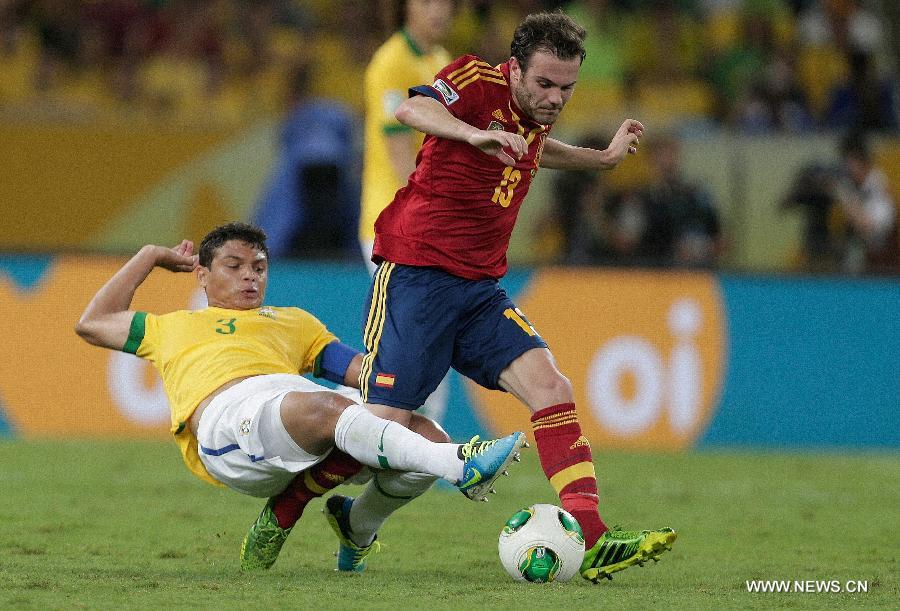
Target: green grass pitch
99 524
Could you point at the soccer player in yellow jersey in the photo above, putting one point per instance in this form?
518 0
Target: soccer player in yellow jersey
242 414
410 57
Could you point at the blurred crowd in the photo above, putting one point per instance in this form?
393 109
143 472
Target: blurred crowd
756 65
751 66
669 221
850 214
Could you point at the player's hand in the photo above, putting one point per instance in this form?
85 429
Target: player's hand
626 141
495 142
181 258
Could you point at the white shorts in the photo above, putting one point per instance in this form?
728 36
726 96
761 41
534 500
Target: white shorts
243 442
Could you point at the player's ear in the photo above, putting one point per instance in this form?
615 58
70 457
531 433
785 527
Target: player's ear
202 275
515 68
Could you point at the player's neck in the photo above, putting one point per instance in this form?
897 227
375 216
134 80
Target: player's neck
420 40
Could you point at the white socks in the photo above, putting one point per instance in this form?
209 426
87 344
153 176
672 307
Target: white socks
386 493
386 444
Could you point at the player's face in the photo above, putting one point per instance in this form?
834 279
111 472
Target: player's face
857 169
430 18
236 277
543 89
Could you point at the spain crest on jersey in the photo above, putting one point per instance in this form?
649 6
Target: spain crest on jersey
496 125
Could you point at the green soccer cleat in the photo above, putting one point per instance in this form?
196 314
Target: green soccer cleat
485 461
619 549
351 558
263 542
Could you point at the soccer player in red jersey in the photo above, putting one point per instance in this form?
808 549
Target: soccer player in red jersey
441 248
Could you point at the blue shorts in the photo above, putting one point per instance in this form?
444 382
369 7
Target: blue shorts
421 321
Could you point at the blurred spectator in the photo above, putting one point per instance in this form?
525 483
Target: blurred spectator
590 224
774 101
733 70
310 205
812 192
56 23
866 101
604 63
665 53
573 232
844 24
635 232
342 45
184 76
690 235
868 207
672 221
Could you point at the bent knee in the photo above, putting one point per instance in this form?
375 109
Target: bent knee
313 410
551 389
555 386
427 428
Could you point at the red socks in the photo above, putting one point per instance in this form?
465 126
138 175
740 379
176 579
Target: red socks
312 483
566 459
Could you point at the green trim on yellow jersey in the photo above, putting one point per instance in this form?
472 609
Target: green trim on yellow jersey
389 130
416 50
135 333
317 369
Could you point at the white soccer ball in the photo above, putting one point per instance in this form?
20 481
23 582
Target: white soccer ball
541 543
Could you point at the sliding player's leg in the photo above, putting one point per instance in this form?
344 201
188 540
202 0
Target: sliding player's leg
257 435
264 540
356 521
387 492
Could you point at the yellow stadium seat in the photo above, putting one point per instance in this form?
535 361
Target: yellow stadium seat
819 69
669 101
337 73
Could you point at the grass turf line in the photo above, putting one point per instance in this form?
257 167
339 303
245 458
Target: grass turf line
99 524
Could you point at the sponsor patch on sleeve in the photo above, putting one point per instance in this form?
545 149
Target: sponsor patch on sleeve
446 92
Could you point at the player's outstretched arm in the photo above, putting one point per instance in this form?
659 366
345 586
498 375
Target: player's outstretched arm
106 320
560 156
430 116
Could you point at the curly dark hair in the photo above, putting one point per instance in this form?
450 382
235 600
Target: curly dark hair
555 32
244 232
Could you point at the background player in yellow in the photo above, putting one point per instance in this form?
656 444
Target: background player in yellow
241 412
410 57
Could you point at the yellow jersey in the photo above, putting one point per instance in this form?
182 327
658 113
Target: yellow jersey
198 351
396 66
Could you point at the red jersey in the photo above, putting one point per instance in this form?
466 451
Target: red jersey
460 205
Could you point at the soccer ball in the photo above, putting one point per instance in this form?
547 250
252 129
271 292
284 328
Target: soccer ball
541 543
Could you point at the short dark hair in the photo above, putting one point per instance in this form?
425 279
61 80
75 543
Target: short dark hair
400 14
856 145
555 32
244 232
